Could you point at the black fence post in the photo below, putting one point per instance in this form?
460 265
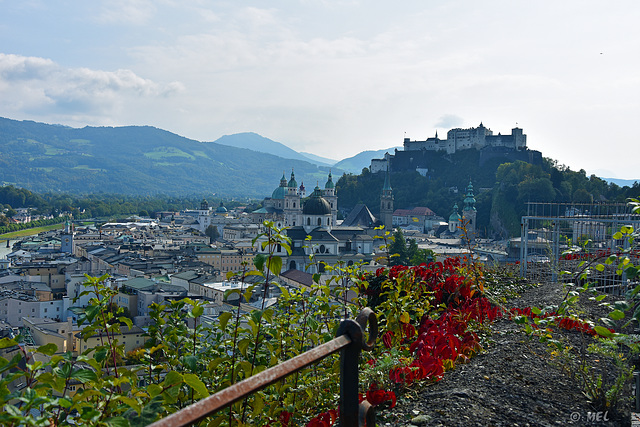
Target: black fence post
353 414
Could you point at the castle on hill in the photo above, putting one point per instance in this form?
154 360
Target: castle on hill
415 154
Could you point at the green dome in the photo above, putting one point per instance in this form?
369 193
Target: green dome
292 181
278 193
329 183
316 205
455 216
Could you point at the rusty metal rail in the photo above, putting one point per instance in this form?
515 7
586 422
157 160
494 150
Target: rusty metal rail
350 340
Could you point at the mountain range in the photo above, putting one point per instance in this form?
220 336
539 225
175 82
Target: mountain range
147 160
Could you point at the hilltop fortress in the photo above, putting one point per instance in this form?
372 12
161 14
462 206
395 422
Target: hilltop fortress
415 153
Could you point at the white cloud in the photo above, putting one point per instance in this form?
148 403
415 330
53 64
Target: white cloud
40 86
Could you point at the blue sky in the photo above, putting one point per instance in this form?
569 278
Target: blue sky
335 77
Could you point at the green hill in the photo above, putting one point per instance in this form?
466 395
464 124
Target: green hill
502 188
136 160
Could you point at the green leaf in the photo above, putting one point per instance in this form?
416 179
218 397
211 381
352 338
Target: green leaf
248 293
608 322
197 311
7 342
536 310
316 278
622 305
268 315
197 385
600 267
172 378
275 265
118 422
617 235
313 323
243 345
223 319
519 320
257 404
84 375
258 261
626 229
126 321
230 292
256 316
100 355
190 362
616 315
48 349
154 390
600 297
602 331
246 367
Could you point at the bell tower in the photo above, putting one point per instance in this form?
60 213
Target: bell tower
386 203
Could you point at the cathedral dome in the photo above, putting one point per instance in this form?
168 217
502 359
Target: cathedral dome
221 208
455 216
316 205
278 193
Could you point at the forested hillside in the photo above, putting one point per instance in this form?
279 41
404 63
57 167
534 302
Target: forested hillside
136 160
501 189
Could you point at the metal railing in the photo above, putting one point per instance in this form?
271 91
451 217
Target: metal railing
349 340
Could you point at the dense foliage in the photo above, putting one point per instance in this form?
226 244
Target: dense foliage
99 205
501 189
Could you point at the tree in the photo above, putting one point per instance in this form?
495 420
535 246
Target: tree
212 232
422 256
398 249
10 213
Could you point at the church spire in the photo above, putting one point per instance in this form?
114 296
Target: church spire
386 202
387 182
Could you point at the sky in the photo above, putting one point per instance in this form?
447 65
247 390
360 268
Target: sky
335 77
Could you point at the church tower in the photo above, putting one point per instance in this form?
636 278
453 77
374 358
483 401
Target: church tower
329 194
469 212
204 215
292 203
67 244
386 203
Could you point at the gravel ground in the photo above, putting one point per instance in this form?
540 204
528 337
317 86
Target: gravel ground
513 382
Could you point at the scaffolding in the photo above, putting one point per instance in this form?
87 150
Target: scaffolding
558 241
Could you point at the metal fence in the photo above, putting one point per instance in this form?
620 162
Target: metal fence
350 340
559 241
